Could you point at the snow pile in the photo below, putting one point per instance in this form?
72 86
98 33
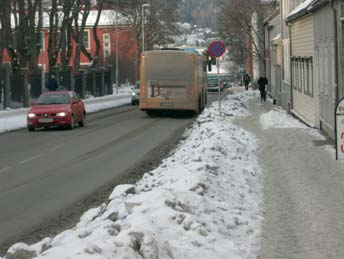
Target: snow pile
279 119
13 122
201 202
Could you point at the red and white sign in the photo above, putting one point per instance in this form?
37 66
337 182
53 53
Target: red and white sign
216 49
340 130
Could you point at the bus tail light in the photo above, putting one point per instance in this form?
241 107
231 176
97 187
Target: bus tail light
191 90
142 89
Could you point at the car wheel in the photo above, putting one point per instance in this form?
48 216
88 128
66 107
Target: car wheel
31 128
82 122
72 122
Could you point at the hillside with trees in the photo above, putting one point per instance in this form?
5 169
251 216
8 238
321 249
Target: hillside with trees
199 12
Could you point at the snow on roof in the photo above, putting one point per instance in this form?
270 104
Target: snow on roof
277 38
301 7
107 18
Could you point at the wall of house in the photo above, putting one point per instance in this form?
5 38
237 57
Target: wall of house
302 46
286 7
340 22
275 69
325 67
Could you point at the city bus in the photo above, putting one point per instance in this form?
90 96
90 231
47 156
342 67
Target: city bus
174 80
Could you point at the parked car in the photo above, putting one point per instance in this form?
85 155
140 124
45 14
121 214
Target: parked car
135 95
213 84
61 108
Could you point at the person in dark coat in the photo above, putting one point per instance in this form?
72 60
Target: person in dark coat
262 83
247 80
52 84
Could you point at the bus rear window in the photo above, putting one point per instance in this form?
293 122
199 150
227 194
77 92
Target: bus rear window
169 66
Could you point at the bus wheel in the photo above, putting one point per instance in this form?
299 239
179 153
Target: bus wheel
200 108
151 113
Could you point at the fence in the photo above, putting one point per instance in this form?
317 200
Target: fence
18 88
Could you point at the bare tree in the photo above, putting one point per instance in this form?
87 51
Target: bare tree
53 34
65 47
2 41
95 58
81 8
159 20
238 29
21 37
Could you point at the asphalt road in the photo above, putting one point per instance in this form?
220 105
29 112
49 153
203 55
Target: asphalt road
49 177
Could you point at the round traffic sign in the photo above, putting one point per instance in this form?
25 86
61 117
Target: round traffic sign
216 49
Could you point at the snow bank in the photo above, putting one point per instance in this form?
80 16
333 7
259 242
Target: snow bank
279 119
201 202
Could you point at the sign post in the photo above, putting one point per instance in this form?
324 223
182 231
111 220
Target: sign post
216 49
339 115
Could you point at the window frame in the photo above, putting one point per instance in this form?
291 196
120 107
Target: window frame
88 47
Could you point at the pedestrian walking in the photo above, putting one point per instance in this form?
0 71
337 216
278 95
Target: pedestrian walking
247 80
262 83
52 84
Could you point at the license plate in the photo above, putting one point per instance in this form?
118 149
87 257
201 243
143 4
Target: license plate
45 120
166 105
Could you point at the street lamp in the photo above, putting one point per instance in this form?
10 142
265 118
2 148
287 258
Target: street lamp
143 26
117 81
42 48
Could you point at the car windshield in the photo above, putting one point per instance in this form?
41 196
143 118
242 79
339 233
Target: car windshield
212 80
47 99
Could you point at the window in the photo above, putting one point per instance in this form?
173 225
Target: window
106 45
302 74
86 39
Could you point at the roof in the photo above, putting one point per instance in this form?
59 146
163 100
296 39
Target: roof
271 16
306 7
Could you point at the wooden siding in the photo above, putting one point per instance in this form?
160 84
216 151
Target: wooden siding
304 107
302 41
302 37
325 67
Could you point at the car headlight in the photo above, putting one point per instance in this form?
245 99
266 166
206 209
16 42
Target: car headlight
133 94
31 115
61 114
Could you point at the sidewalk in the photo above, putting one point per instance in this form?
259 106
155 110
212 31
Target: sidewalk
303 188
16 118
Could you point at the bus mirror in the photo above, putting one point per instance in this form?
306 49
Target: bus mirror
209 66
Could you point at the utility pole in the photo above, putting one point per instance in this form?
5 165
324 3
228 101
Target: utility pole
117 42
42 48
143 26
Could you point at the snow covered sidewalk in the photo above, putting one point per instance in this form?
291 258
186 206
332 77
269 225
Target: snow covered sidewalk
16 119
202 202
303 186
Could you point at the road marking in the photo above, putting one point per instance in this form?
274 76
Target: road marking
5 169
30 159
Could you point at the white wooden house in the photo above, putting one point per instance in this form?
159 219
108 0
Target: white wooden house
317 61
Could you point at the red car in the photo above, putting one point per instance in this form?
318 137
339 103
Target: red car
62 108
